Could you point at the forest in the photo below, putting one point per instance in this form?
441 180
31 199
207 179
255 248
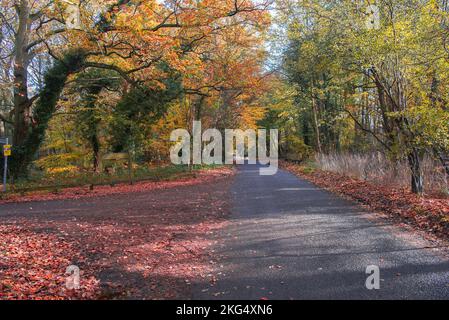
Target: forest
94 207
370 96
353 87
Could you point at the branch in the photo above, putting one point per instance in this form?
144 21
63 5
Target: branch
42 39
2 118
122 73
367 130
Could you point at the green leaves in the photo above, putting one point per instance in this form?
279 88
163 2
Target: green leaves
141 107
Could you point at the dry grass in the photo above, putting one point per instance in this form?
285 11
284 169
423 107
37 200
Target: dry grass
377 168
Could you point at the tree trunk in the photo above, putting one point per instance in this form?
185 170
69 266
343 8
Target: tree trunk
21 105
21 61
316 126
55 78
444 159
446 166
96 152
414 160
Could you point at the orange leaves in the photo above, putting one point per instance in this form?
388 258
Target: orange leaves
250 115
33 265
424 213
161 239
179 33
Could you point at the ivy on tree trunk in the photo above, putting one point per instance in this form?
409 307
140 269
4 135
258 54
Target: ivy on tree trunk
55 79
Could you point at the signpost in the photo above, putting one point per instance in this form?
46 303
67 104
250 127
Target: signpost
7 150
6 154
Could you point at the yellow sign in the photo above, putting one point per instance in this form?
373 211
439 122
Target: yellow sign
7 150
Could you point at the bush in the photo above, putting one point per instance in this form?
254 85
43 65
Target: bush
296 150
59 162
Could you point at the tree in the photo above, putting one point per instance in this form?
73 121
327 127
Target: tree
141 107
89 85
383 80
24 24
55 80
132 39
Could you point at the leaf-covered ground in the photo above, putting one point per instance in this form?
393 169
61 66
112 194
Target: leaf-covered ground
431 215
146 241
85 192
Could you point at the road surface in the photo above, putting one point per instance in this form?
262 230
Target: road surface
290 240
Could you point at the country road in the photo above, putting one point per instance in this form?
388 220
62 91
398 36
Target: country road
291 240
286 239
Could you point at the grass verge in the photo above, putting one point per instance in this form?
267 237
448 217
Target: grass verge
56 183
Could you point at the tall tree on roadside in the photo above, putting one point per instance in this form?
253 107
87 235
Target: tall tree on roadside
131 38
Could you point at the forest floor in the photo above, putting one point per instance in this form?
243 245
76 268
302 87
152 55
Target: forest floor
149 240
427 213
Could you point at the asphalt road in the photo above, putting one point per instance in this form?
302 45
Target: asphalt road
290 240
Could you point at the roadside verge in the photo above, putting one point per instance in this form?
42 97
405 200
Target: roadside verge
427 214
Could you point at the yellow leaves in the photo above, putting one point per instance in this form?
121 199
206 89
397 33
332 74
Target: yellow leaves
431 123
154 31
251 115
65 169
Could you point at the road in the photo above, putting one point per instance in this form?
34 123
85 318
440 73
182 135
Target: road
290 240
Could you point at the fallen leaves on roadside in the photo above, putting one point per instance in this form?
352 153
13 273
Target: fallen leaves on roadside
85 192
33 266
422 212
149 243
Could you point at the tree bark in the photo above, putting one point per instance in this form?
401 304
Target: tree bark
316 126
21 61
414 159
96 152
55 78
444 159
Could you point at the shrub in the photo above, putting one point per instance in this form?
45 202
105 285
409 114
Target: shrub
296 150
59 161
